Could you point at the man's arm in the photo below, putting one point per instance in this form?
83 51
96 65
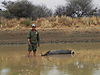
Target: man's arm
28 38
29 41
38 39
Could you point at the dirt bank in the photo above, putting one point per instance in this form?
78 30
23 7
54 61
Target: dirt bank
51 36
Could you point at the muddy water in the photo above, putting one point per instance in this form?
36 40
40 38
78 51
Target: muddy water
86 61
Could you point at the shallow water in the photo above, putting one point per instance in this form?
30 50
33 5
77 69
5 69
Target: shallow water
86 61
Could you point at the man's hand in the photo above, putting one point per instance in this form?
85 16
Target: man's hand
38 44
29 42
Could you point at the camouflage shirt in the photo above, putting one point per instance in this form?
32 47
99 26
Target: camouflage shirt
33 36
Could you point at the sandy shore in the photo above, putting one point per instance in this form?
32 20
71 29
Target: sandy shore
50 36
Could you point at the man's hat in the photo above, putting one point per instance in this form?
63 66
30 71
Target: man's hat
33 25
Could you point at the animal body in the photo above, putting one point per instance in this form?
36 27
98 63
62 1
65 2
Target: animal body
57 52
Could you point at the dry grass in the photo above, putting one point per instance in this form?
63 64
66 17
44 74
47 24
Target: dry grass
54 22
51 22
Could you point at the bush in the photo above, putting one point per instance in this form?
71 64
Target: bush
26 22
25 9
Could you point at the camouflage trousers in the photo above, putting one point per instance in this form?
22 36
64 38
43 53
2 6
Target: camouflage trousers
32 47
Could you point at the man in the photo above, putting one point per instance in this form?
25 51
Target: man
33 40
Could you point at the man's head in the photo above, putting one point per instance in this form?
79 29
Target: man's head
33 26
72 52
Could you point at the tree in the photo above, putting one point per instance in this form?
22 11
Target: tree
5 14
60 11
19 9
77 8
24 8
41 11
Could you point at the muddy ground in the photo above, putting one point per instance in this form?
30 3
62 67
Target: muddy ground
49 36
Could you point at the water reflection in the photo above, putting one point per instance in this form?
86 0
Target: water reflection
85 61
75 67
50 65
54 71
79 65
96 72
4 71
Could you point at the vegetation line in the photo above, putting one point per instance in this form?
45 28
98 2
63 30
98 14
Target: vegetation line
53 42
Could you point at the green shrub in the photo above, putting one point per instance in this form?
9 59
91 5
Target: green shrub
26 22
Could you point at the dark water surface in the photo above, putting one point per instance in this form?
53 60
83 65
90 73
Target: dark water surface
86 61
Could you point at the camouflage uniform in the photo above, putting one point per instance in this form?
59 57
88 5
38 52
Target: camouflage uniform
34 40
